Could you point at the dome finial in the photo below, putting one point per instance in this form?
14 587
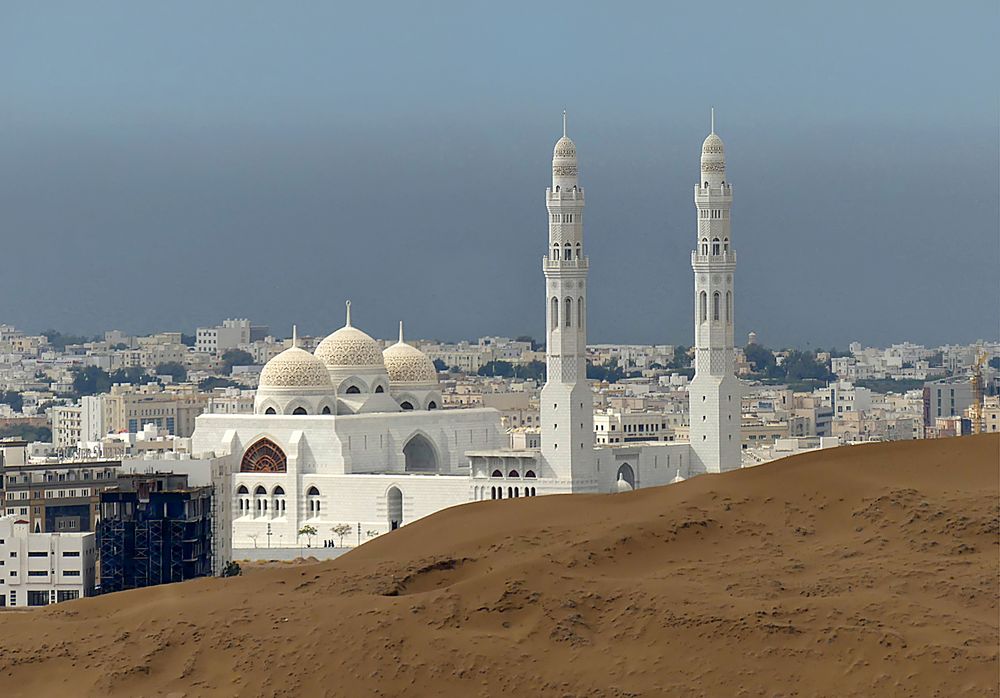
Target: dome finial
295 335
401 332
713 119
348 314
564 123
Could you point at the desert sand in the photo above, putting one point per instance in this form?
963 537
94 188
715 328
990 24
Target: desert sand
859 571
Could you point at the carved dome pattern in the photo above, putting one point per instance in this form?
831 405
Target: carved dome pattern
349 346
294 368
565 148
406 364
713 166
712 145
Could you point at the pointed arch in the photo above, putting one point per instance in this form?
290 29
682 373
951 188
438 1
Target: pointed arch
420 454
568 303
729 306
716 302
264 456
554 313
579 312
703 306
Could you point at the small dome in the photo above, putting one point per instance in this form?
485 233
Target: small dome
623 485
349 346
294 368
406 364
677 478
712 145
565 148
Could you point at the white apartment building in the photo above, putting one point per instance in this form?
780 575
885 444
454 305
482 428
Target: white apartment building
38 569
229 335
619 427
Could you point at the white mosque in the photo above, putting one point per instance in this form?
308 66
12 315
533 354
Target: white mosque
352 434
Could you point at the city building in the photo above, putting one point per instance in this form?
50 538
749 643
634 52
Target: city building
154 529
38 569
948 397
229 335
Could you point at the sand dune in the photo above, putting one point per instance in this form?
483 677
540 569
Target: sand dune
859 571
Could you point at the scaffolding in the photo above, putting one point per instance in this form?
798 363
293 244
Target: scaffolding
148 535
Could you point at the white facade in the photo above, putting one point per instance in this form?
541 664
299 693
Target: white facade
354 435
715 392
37 569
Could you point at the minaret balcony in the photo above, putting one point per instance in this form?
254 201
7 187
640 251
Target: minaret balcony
725 258
554 264
568 194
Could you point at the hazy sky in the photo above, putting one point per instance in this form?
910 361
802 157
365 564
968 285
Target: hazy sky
166 165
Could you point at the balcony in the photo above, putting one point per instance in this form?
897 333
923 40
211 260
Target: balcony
555 264
726 258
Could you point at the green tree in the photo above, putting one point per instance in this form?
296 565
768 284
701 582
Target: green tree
90 380
174 369
341 530
135 375
236 357
9 397
440 365
500 369
760 357
681 358
308 531
61 341
610 372
213 382
26 432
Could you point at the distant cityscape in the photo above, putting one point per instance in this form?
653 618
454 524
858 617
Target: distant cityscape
128 397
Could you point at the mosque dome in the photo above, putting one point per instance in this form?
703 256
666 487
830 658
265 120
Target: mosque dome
406 364
349 346
294 368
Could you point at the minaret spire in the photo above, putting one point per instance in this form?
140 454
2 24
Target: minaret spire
401 332
564 123
713 119
295 335
348 314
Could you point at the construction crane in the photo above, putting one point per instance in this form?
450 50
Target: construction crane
976 411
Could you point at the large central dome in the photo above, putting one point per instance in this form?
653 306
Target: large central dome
349 346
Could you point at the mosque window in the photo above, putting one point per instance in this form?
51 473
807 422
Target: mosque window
529 473
715 305
406 405
716 246
569 311
497 473
579 312
555 313
704 246
578 250
299 410
353 390
567 253
703 306
725 245
326 410
432 405
269 410
513 473
264 456
555 252
729 306
379 389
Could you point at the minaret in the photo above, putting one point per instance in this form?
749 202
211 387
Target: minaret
567 411
715 391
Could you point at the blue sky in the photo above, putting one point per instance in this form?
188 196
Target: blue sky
163 166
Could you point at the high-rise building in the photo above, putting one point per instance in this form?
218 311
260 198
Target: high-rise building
715 391
567 412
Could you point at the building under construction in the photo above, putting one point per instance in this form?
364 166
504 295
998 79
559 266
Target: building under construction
154 529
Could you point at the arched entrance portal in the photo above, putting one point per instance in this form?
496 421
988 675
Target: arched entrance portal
394 505
626 474
420 456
